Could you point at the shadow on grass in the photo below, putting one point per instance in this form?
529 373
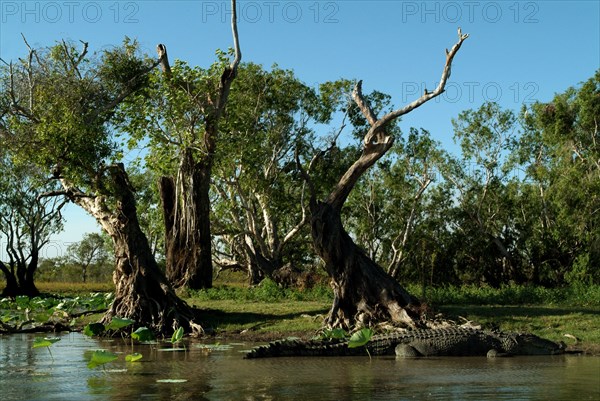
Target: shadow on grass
216 318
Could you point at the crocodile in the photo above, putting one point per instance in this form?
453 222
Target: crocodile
448 341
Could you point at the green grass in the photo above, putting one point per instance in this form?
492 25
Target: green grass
260 318
73 288
268 311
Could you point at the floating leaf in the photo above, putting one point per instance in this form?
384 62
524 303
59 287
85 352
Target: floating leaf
143 334
171 349
118 323
171 380
215 347
100 357
177 336
93 329
133 357
44 342
360 338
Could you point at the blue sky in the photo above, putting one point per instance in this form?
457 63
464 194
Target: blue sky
519 51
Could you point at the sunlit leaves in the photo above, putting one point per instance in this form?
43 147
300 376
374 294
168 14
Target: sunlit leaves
118 323
360 338
177 335
101 357
143 334
133 357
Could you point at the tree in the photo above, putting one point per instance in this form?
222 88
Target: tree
482 177
181 117
57 108
26 223
261 209
363 292
560 150
90 250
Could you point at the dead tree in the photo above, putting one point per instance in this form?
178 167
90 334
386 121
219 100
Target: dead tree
363 292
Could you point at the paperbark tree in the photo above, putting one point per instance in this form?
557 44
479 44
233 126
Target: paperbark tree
57 110
363 292
26 224
185 195
258 215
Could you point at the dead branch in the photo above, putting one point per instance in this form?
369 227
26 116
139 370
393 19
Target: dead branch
377 141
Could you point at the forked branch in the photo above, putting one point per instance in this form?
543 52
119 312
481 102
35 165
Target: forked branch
377 141
427 95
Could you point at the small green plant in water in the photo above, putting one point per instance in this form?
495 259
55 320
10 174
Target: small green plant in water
143 334
133 357
101 357
177 335
118 323
45 342
337 334
360 338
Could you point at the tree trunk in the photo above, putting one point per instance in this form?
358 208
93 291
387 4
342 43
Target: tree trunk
186 210
142 291
363 292
12 285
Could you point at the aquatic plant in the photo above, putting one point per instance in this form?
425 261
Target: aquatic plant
45 342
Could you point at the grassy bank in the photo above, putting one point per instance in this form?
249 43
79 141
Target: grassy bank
267 312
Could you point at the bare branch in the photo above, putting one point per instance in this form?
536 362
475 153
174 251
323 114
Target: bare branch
364 107
164 60
376 141
427 95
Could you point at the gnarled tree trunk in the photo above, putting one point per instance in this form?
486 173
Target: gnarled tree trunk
142 291
186 201
186 210
363 292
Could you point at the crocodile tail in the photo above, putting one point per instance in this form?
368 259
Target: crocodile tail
295 348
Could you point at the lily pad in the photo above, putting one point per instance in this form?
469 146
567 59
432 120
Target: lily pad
360 338
100 357
143 334
44 342
118 323
133 357
93 329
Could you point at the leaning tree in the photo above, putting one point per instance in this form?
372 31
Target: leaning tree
363 292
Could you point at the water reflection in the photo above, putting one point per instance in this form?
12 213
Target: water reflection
222 374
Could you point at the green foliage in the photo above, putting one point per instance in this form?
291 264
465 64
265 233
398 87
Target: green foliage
177 335
118 323
133 357
38 311
143 334
100 358
360 338
574 295
44 342
336 333
93 329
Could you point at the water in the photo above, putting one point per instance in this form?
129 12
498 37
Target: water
221 374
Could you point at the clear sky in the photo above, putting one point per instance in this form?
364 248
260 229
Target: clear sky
518 51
